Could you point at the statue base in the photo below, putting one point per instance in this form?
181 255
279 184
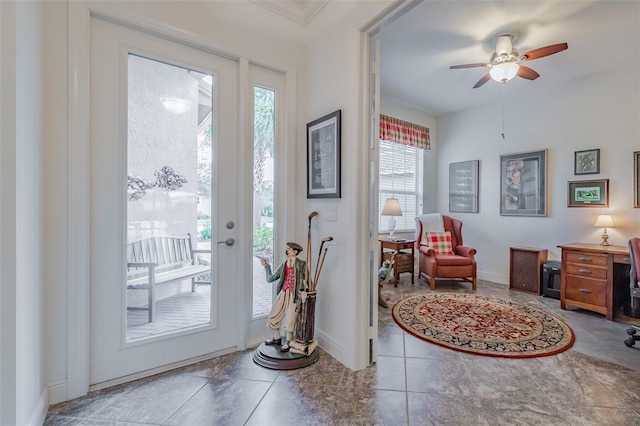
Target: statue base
271 357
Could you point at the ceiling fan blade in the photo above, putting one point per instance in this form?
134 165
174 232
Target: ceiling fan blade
545 51
457 67
528 73
482 81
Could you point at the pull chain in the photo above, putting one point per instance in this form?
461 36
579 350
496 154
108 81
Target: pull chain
504 101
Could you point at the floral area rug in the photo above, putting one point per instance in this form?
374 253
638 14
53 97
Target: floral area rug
483 325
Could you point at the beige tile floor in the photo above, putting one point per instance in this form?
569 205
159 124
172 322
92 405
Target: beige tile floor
597 382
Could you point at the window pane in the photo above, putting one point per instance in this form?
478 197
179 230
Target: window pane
401 171
168 197
263 190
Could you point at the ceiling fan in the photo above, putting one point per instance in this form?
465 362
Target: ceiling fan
506 62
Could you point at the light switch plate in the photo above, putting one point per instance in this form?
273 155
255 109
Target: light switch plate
331 214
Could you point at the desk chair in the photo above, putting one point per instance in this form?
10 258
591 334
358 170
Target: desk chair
634 253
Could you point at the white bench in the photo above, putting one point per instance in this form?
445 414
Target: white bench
160 260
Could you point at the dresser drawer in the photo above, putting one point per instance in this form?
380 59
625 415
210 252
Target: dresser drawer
622 258
587 258
592 292
586 271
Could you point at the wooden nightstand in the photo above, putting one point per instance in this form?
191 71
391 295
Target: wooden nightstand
402 250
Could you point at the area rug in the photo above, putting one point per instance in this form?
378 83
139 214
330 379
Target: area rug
483 325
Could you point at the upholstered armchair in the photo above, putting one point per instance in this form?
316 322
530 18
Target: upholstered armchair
457 263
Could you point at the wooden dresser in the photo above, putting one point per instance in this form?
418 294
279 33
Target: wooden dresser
587 276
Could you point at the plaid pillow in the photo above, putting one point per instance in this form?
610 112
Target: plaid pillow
440 242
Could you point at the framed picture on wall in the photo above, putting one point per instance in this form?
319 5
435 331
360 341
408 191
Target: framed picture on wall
323 156
586 162
636 179
523 184
588 193
463 187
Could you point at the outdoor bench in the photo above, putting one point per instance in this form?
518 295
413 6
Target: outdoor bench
161 260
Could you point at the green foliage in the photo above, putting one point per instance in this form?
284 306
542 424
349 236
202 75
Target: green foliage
205 234
262 237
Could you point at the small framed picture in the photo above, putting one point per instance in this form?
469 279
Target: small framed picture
587 162
323 156
588 193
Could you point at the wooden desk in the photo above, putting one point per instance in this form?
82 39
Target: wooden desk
588 276
403 254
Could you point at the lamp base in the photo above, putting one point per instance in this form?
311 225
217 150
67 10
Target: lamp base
392 228
605 238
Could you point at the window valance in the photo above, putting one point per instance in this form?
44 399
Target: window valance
404 132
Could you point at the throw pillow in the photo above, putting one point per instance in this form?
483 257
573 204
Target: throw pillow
440 242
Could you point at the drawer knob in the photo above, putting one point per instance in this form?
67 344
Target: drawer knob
584 271
584 290
585 259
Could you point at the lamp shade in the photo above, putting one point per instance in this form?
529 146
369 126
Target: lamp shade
504 72
604 220
391 207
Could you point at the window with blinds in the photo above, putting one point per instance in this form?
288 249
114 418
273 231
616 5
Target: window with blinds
401 171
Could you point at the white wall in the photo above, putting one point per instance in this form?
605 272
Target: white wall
8 344
407 113
23 396
335 83
597 111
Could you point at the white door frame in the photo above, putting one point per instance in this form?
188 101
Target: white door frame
78 214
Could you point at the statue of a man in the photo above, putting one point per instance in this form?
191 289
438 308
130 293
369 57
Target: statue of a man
291 275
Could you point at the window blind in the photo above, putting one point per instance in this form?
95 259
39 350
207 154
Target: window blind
401 176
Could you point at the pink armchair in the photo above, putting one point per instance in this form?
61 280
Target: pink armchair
461 264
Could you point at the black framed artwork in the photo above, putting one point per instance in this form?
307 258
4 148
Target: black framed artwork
586 162
588 193
523 184
323 156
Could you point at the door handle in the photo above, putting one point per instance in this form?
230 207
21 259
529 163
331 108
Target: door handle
229 242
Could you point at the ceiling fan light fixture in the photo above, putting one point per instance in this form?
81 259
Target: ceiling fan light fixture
503 45
504 72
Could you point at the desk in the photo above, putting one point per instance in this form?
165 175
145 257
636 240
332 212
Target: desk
402 253
589 274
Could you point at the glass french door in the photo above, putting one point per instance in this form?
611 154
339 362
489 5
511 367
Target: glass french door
164 154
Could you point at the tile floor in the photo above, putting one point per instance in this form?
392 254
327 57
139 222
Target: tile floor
597 382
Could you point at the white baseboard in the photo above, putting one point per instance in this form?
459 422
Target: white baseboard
331 346
500 279
158 370
58 392
40 413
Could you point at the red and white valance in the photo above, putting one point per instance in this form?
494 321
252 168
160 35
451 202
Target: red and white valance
404 132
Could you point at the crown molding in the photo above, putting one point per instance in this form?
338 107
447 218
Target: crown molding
300 11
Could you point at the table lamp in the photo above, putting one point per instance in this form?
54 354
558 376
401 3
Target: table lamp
604 221
392 208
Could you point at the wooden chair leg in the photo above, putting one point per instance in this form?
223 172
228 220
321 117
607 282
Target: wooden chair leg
433 283
475 283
